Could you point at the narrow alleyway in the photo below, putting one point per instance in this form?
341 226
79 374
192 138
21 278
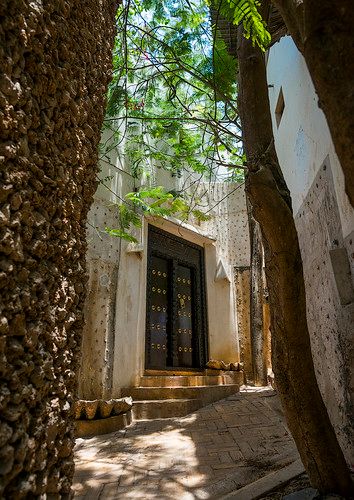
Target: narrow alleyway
206 454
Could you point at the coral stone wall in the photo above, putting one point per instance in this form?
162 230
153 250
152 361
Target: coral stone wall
55 58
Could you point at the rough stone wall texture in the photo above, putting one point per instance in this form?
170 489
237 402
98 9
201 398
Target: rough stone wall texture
103 262
228 221
330 318
243 296
267 340
55 58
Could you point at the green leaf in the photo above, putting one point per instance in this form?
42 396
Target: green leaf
120 233
246 12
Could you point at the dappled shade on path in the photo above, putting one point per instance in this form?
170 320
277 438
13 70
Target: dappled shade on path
206 454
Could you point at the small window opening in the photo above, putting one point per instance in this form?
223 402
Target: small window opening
279 108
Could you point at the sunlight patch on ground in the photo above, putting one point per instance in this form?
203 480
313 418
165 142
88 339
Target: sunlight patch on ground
204 455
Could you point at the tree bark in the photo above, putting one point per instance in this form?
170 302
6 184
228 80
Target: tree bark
55 58
296 382
323 32
256 303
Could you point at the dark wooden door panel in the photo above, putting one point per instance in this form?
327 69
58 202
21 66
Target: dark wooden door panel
183 324
159 312
176 311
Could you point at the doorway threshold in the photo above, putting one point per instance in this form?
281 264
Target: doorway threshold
174 371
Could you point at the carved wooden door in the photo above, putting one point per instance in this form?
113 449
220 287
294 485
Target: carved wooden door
176 311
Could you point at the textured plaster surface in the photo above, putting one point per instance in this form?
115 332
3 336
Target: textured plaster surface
243 294
114 335
55 58
302 139
325 224
330 322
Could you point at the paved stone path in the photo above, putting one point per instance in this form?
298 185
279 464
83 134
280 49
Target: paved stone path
206 454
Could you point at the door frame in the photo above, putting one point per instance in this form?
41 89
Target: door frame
198 265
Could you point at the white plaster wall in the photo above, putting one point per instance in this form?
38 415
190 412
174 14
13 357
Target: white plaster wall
324 221
102 262
114 337
228 224
105 257
129 348
129 327
302 139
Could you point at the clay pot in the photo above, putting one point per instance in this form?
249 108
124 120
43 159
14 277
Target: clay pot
122 405
79 409
214 364
91 409
218 365
106 408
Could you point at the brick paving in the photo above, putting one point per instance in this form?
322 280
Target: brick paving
206 454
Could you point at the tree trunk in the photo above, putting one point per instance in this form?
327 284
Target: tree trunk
323 32
296 382
55 58
256 303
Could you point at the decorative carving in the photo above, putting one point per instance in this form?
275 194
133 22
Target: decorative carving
101 408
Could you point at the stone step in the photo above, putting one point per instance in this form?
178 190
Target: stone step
207 394
154 409
189 380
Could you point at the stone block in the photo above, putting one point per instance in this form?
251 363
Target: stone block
89 428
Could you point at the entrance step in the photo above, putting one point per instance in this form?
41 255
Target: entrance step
189 380
169 396
207 393
152 409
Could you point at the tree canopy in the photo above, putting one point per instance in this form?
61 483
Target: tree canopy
172 102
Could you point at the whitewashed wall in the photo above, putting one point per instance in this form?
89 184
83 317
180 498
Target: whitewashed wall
114 337
325 224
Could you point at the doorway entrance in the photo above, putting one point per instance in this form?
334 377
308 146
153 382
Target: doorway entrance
176 305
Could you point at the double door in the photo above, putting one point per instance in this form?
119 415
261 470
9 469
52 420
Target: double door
176 312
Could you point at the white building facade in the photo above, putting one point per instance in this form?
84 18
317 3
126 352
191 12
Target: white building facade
123 335
325 224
